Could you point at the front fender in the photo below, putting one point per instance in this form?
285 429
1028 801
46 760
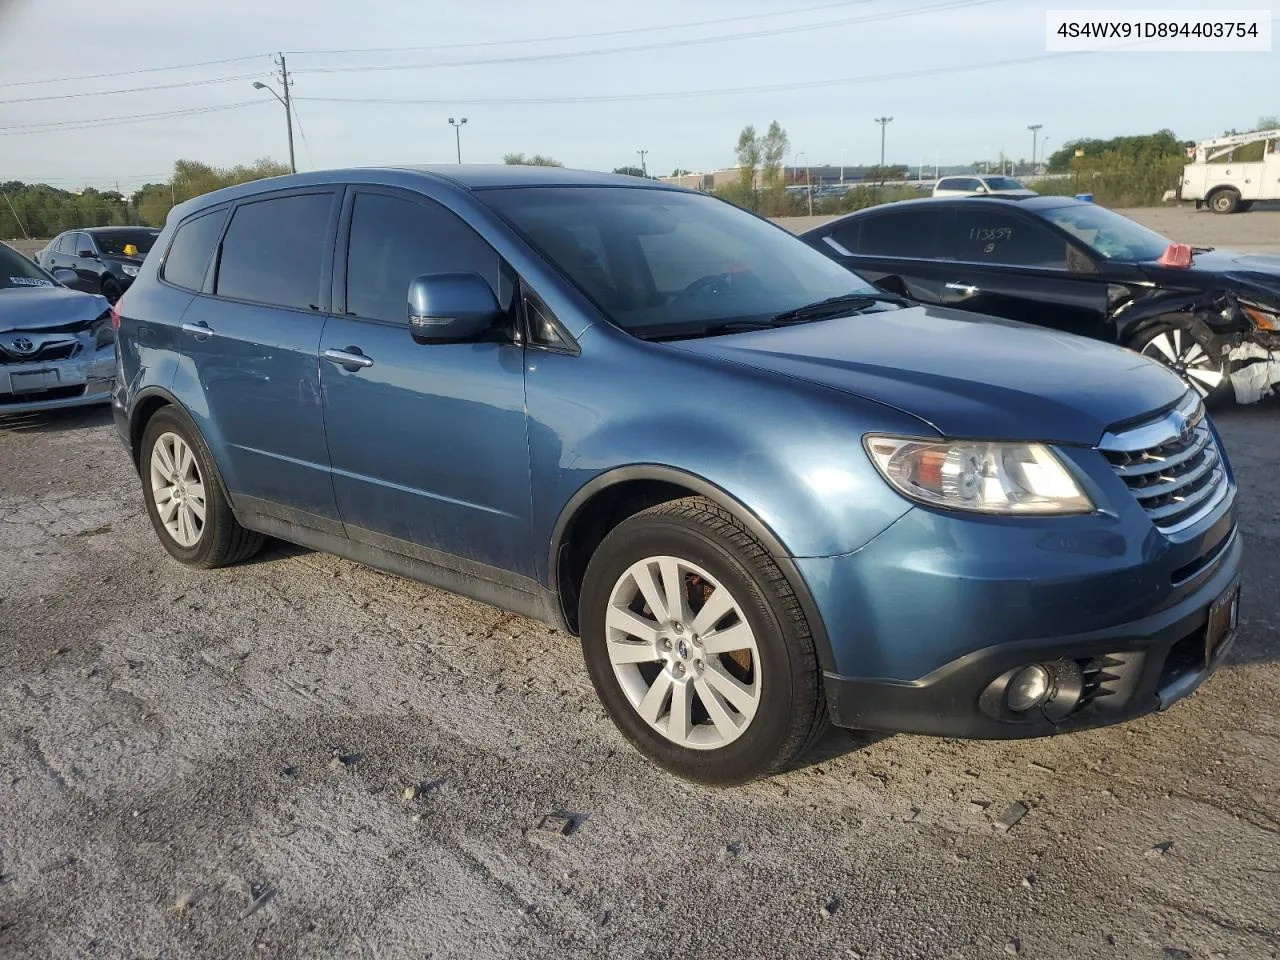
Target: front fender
786 452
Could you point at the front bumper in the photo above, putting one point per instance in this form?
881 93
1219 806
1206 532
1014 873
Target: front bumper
83 379
1129 670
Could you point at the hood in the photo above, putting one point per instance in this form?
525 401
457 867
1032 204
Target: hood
965 375
48 308
120 258
1024 192
1222 268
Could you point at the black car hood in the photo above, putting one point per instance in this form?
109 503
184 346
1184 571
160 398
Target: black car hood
132 261
1259 272
48 308
965 374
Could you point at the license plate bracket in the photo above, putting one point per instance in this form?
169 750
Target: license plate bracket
33 381
1224 617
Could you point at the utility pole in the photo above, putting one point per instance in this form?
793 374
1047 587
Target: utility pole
457 134
1035 136
17 219
288 110
285 102
644 169
884 122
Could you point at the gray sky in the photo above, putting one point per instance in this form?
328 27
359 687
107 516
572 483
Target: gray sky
957 116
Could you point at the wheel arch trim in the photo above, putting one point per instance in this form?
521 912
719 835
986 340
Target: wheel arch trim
717 495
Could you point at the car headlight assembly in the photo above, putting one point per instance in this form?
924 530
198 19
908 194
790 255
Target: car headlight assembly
103 333
979 476
129 269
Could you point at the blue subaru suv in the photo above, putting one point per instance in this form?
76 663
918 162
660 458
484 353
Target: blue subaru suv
763 494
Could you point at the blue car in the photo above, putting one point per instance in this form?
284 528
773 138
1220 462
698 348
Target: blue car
764 495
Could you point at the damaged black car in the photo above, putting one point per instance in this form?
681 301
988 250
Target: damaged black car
1211 315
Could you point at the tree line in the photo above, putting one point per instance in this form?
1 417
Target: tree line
39 210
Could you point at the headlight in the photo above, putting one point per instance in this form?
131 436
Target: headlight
129 269
1006 478
103 333
1262 318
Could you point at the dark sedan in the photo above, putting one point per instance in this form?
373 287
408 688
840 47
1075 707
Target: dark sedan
1077 267
105 259
57 346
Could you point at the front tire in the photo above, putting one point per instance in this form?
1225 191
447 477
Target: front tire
1188 348
697 645
111 289
185 500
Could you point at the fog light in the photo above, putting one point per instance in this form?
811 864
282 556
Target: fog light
1028 688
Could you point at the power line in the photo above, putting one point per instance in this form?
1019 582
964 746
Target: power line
657 45
586 36
65 125
715 92
159 86
128 73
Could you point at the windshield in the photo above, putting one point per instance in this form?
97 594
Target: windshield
1003 183
658 259
113 243
1108 234
19 273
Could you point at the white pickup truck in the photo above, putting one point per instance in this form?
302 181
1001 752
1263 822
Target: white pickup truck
1228 186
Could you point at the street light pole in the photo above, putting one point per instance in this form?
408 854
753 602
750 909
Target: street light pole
884 123
842 153
284 102
644 169
1035 135
457 134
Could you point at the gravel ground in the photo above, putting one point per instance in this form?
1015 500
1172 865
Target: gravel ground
303 757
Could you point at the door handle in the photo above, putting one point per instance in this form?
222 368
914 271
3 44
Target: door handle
351 358
201 330
967 289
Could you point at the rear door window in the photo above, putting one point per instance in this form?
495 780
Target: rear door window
274 249
909 233
979 234
188 258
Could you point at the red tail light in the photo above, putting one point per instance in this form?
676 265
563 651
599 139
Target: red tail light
115 315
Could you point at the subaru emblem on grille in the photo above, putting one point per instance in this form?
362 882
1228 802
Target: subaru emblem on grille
23 344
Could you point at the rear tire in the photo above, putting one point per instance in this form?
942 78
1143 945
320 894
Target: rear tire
185 500
1226 200
724 699
1188 348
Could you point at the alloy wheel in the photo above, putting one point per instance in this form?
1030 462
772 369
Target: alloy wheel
178 489
1178 349
683 652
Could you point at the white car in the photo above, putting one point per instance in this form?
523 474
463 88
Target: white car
980 185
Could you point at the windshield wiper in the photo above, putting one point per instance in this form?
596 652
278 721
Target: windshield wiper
706 330
833 305
1202 249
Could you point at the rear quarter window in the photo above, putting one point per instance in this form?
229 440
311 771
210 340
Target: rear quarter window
189 254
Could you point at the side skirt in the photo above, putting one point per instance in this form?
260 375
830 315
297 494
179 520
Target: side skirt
499 588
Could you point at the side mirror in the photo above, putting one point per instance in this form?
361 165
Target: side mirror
65 276
87 255
448 307
982 188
